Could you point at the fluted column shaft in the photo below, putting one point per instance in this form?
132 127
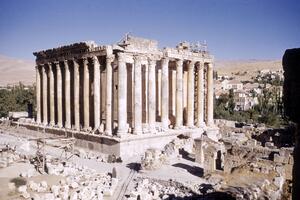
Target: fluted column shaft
165 93
122 95
108 113
200 95
151 95
97 103
190 105
210 95
59 94
38 95
86 94
45 95
52 107
67 95
137 95
179 93
76 96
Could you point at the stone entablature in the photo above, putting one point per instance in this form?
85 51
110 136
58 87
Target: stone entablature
129 87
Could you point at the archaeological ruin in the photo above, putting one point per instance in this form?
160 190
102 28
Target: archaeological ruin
130 95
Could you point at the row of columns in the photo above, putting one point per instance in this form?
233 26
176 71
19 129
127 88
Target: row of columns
42 94
137 119
46 72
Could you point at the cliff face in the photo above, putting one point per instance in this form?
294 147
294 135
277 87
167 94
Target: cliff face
291 99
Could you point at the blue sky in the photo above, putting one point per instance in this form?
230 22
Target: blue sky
233 29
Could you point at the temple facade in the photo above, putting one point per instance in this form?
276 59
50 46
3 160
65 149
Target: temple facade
129 88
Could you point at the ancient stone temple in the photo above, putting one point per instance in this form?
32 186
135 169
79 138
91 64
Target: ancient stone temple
124 92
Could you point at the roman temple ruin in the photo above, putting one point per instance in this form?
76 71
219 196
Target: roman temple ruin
127 91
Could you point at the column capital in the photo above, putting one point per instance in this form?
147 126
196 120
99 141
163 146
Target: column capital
65 62
95 60
165 60
191 63
121 57
85 60
57 66
56 63
179 62
199 65
110 58
151 61
137 59
209 65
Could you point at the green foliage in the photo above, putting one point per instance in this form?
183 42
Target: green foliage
16 98
268 110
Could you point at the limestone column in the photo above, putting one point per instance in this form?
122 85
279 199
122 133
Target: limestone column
76 95
165 93
108 109
51 82
200 95
38 95
179 93
122 95
67 95
97 103
190 103
151 95
210 95
59 95
45 96
86 95
137 95
159 92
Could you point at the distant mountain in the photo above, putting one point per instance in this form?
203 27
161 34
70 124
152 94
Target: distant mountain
229 67
13 71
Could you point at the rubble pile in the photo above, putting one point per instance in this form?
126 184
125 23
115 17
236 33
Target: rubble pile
148 189
8 156
79 183
155 158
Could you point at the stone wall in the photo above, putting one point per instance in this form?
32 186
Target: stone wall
291 99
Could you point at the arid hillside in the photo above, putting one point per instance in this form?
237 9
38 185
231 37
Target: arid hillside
13 71
245 69
247 65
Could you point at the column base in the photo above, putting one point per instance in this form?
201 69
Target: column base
201 124
108 133
60 126
178 127
66 126
121 133
137 131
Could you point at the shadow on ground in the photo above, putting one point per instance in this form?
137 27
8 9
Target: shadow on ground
196 171
186 155
134 166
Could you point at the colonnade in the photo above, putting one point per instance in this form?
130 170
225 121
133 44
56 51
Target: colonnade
69 94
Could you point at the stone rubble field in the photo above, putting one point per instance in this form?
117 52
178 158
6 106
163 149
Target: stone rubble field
251 171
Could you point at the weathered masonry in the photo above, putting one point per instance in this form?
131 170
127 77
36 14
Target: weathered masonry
129 88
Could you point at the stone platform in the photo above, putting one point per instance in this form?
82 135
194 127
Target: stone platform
125 147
